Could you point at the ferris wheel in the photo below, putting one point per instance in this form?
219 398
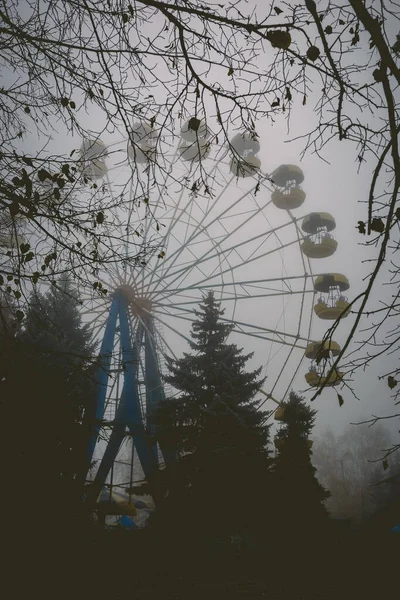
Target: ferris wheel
212 221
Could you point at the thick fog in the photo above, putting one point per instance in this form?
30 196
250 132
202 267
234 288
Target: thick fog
335 183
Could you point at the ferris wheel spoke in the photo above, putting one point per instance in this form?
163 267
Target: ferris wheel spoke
265 338
256 283
98 328
172 223
160 194
295 372
114 278
98 310
237 298
185 242
211 285
210 175
218 253
171 259
217 241
165 311
278 378
168 326
241 327
302 304
112 241
280 334
204 258
101 311
176 219
189 263
233 295
263 255
164 341
177 298
92 301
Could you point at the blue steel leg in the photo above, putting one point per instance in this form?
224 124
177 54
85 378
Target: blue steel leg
114 443
136 348
134 416
154 388
103 372
118 433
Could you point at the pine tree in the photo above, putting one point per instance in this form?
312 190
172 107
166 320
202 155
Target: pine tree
300 497
45 394
215 428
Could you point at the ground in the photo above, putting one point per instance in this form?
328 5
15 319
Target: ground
351 566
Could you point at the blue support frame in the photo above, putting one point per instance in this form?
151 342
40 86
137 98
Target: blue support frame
154 388
133 411
128 412
103 372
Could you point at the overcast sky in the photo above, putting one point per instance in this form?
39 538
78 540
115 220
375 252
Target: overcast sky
333 186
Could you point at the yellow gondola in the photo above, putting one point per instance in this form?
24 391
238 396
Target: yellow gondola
315 379
324 283
334 305
322 349
330 313
289 199
279 414
288 177
324 247
320 244
286 174
316 221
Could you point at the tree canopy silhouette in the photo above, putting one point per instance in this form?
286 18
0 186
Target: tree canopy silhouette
215 429
300 496
46 389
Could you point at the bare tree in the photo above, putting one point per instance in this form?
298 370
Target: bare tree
165 64
152 63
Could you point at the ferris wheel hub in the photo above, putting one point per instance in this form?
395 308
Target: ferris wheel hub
139 305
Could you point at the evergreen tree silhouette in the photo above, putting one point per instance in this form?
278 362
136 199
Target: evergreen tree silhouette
46 391
300 497
218 485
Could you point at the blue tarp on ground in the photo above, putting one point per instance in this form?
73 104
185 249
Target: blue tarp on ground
396 528
127 522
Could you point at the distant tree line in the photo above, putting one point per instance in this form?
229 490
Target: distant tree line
349 464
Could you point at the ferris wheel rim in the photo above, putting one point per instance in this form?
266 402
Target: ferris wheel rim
156 280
